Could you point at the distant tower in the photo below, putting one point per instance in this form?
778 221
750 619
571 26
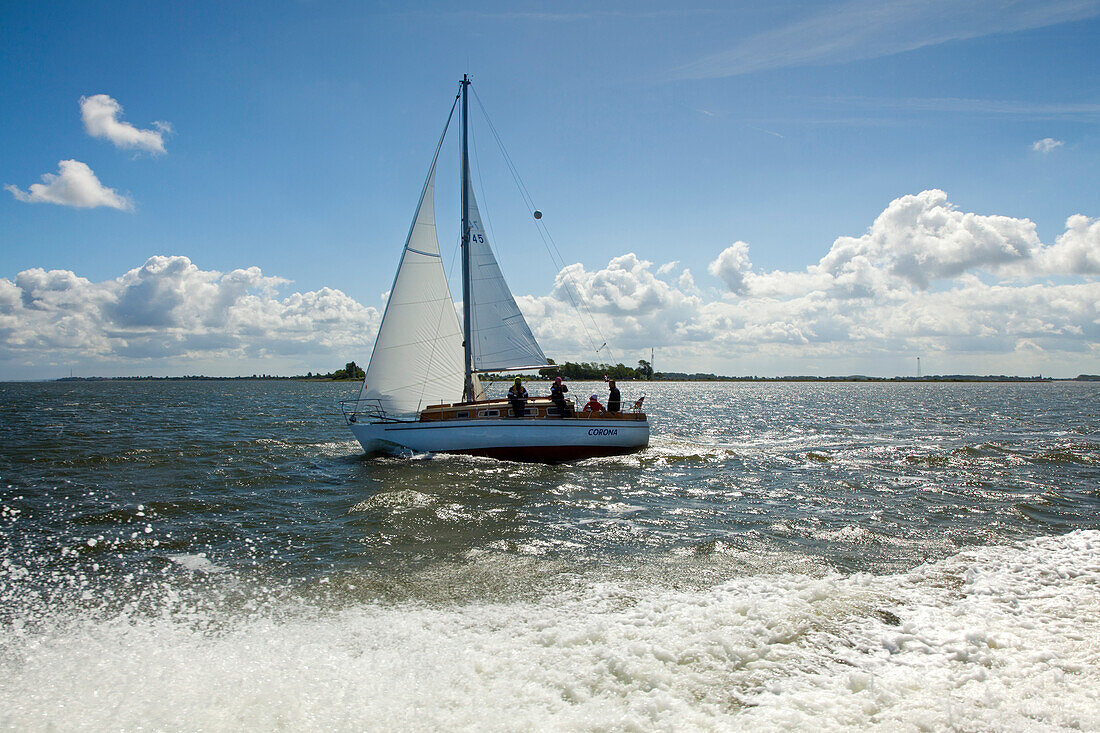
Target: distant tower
651 370
918 367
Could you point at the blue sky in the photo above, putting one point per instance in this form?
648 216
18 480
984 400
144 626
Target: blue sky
297 136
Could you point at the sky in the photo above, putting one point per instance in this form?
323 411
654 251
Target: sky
747 189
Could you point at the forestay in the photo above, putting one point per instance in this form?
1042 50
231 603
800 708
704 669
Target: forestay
417 357
501 337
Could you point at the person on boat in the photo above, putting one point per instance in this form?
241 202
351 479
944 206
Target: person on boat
614 399
593 405
557 396
517 395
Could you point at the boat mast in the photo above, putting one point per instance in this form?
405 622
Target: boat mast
467 343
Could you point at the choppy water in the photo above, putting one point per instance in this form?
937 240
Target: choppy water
218 555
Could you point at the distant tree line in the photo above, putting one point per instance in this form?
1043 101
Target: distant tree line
350 372
593 371
644 371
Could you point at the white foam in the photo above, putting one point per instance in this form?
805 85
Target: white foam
397 499
991 639
197 563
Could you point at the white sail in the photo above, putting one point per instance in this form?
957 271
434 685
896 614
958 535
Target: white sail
417 357
501 337
479 388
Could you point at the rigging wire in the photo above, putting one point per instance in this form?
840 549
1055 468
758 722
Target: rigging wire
572 292
483 206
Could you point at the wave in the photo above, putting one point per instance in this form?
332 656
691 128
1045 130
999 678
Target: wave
1086 454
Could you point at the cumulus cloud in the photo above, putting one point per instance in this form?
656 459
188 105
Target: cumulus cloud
1076 251
102 115
627 285
925 278
922 238
74 184
966 291
732 265
1046 145
169 307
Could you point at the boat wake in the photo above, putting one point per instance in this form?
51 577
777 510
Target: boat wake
991 638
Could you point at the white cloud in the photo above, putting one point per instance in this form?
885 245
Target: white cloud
732 265
1076 251
170 309
968 292
923 237
1046 145
925 278
74 185
866 29
627 286
101 116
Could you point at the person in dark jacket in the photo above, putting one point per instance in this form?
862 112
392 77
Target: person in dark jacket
557 396
517 395
614 400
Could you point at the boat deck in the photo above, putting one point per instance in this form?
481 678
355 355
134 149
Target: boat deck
537 408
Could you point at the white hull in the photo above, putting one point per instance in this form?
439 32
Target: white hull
550 440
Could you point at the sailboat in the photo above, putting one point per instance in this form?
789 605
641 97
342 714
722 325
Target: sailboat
421 392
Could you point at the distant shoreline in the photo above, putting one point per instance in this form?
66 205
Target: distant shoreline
659 378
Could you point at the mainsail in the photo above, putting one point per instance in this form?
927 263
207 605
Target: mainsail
417 357
501 337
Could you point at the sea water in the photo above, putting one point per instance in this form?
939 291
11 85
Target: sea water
219 555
